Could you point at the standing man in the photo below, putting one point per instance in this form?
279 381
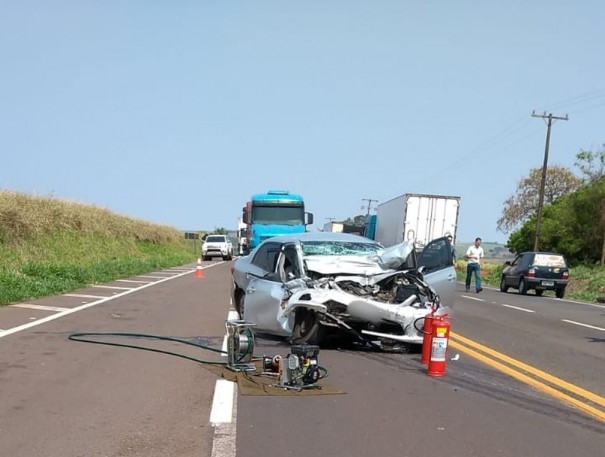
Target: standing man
450 240
474 255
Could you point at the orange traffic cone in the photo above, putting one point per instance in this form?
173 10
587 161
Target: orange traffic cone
199 271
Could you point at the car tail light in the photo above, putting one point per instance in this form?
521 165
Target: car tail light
531 273
566 275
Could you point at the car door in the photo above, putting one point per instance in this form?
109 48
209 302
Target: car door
512 273
439 271
265 293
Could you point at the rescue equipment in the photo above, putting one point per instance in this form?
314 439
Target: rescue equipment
440 337
427 331
240 345
298 370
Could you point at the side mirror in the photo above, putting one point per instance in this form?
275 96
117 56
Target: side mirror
507 263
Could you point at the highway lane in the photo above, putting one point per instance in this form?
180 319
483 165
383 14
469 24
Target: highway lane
66 398
63 398
541 331
392 407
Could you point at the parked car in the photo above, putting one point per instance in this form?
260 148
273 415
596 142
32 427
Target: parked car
539 271
217 246
308 286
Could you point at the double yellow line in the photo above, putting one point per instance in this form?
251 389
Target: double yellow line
515 369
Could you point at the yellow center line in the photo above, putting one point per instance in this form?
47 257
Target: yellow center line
464 344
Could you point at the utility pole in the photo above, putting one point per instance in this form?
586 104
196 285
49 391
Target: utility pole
549 120
368 206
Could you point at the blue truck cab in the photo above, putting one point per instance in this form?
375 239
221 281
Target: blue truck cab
277 212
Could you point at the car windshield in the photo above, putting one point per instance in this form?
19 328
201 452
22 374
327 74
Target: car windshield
215 239
339 248
549 260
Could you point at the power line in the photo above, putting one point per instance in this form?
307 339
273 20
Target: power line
549 119
369 205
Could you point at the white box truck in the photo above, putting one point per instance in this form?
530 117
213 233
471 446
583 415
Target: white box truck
416 217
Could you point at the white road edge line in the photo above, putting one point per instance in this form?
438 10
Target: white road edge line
233 315
584 325
19 328
224 440
222 403
518 308
223 415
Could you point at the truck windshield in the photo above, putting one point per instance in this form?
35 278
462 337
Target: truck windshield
286 215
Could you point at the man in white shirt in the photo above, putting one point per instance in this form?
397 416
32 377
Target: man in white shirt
474 255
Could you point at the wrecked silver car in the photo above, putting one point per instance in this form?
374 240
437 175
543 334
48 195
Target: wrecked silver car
308 286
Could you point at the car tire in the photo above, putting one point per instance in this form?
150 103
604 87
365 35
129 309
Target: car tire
560 293
205 257
307 329
239 305
522 287
503 286
539 292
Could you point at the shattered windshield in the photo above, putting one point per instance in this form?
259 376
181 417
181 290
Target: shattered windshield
339 248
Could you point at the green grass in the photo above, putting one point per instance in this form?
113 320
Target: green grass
48 246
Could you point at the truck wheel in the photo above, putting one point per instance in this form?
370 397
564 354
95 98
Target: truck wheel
503 286
560 293
522 287
307 329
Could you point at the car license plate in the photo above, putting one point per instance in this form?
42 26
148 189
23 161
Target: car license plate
548 283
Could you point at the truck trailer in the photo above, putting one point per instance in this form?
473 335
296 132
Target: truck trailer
419 218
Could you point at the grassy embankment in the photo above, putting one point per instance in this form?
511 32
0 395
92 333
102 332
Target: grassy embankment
50 246
586 283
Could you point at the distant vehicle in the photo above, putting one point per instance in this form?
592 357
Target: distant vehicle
310 285
275 213
539 271
242 238
217 246
418 218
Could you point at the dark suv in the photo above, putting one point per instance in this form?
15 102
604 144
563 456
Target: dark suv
536 270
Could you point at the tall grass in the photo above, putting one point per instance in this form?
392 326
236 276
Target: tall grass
49 246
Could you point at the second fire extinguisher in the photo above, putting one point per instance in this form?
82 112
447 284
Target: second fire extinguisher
439 341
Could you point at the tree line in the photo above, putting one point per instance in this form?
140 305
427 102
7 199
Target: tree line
573 215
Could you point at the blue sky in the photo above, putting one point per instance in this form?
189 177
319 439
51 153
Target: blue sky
176 112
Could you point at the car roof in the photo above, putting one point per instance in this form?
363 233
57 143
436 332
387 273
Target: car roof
542 252
321 236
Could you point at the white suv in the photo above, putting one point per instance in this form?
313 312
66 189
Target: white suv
215 246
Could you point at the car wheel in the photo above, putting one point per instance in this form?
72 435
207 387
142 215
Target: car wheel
560 293
239 304
307 329
539 292
204 257
503 286
522 287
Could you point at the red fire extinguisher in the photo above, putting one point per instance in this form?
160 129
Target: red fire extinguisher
427 335
440 337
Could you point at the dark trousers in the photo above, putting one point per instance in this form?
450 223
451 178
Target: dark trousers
476 269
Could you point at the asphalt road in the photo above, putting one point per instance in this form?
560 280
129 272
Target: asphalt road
64 398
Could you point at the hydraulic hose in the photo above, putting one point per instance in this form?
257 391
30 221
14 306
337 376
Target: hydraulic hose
82 337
